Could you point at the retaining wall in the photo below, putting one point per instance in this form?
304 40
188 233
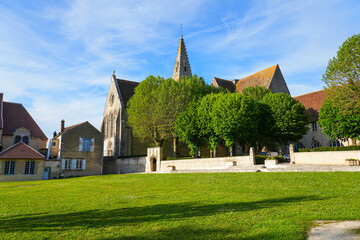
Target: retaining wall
124 165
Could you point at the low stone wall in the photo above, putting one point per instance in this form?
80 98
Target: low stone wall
322 158
124 165
206 163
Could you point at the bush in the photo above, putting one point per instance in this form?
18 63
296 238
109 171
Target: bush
260 159
325 149
279 158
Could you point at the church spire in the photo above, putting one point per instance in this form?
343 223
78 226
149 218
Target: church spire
182 64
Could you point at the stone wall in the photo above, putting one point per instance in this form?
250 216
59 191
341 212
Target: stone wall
19 174
124 165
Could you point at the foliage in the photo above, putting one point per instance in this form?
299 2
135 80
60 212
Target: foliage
326 149
340 113
148 206
290 117
260 159
257 93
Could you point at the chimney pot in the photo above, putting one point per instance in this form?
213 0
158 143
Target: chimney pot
62 126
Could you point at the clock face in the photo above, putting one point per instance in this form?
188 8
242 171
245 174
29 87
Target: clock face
112 99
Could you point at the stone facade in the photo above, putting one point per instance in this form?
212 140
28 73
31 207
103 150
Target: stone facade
79 150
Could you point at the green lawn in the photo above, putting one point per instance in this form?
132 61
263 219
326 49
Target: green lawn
178 206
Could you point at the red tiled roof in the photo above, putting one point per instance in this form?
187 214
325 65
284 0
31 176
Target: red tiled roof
127 89
16 116
218 82
262 79
21 151
312 102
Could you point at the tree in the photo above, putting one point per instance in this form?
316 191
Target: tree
340 113
257 93
236 119
290 117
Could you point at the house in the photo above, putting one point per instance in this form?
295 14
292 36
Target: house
20 162
17 125
77 149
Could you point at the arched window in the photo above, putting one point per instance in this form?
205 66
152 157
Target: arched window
17 139
315 145
86 145
111 125
335 143
25 139
299 145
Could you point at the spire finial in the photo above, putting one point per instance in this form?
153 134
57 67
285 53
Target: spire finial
114 72
181 29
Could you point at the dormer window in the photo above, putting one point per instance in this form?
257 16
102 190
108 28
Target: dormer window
25 139
17 139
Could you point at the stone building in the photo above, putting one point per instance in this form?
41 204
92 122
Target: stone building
20 162
17 125
77 149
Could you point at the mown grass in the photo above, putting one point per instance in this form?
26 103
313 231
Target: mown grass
177 206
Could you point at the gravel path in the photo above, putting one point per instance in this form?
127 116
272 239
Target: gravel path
335 230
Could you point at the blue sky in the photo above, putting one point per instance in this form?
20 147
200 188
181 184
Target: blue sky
57 57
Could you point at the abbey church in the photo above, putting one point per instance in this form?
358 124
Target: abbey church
118 137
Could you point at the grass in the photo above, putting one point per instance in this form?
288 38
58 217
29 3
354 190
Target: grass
177 206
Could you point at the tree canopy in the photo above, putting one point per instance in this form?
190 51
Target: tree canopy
340 113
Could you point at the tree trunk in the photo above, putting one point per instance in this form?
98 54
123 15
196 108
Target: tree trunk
214 153
211 153
231 150
175 143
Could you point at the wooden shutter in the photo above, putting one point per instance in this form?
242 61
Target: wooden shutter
84 164
63 164
92 144
73 164
80 144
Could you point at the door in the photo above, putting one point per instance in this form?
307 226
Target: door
46 173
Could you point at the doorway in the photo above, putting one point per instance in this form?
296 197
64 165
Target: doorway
46 175
153 164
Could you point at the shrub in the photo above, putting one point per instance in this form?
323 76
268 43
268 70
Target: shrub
279 158
260 159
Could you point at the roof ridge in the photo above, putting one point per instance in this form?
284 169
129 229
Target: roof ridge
126 80
309 93
20 143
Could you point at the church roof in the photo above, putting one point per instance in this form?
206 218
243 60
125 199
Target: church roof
218 82
16 116
127 89
21 151
270 78
312 102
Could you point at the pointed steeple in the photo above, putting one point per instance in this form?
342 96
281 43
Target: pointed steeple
182 64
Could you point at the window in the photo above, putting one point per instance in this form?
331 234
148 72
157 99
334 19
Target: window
314 126
9 168
185 68
73 164
25 139
299 145
29 168
86 145
335 143
17 139
315 145
54 143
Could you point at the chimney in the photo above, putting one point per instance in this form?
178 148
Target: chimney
62 126
54 134
235 81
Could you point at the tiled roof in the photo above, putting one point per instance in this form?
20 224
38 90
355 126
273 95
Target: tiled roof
127 89
73 126
312 102
16 116
21 151
262 78
218 82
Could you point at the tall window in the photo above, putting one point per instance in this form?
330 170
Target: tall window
86 145
17 139
67 164
29 168
315 145
25 139
314 126
9 168
79 164
335 143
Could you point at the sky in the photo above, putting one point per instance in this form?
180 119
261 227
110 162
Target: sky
57 57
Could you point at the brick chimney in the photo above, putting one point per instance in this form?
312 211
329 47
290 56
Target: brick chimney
62 126
54 134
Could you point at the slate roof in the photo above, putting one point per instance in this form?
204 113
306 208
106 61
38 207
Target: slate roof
312 102
127 89
218 82
262 79
16 116
21 151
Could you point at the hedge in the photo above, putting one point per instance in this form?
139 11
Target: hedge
325 149
260 159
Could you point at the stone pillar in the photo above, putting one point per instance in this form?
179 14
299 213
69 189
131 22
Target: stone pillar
292 154
157 153
252 156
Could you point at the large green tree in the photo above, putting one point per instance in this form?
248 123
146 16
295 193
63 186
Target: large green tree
340 113
289 115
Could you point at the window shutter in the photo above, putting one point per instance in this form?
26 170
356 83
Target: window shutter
92 144
73 164
84 164
63 164
80 144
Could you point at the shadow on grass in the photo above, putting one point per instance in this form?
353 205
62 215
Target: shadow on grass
135 215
